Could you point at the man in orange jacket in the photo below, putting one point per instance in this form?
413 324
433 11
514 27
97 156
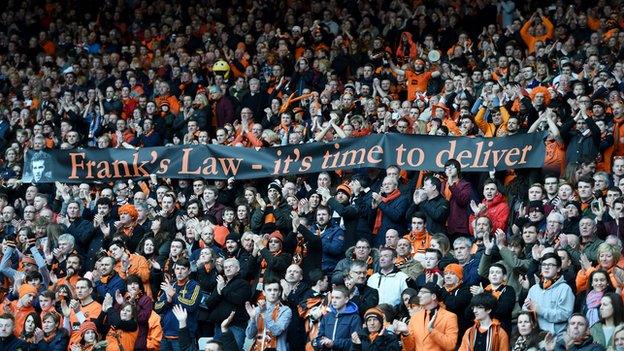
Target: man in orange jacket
433 328
129 263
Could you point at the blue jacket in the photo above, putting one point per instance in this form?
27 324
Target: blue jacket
81 230
338 327
332 246
59 342
113 283
393 218
187 295
471 270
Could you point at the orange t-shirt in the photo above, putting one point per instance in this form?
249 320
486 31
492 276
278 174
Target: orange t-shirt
554 158
91 312
416 83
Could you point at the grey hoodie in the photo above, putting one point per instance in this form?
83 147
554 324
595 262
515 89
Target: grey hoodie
555 305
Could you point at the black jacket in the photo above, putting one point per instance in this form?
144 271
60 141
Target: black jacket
11 342
366 298
458 302
313 257
436 210
386 342
580 146
232 298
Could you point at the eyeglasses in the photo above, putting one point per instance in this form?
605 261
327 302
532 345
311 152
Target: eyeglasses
549 265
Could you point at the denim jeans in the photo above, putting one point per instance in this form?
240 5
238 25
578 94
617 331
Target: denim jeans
169 345
239 334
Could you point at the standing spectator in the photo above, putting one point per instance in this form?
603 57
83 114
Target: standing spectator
432 328
339 323
487 330
229 297
268 322
183 291
430 201
551 299
389 281
388 210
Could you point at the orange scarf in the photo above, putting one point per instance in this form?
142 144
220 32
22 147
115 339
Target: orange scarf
373 335
379 218
421 240
264 339
495 292
301 251
401 260
547 283
452 288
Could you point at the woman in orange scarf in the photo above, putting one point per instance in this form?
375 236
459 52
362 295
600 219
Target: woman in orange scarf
53 337
120 326
88 337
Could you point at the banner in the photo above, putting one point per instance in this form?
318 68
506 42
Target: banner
410 152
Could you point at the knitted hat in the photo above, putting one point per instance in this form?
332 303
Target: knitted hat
455 269
220 233
278 235
345 189
576 204
129 209
87 325
375 313
26 289
233 237
536 205
275 185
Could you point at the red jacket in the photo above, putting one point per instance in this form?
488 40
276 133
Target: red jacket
497 211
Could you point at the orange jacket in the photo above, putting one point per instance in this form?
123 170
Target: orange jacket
443 337
138 266
91 312
530 40
616 274
498 338
489 129
119 340
154 332
174 104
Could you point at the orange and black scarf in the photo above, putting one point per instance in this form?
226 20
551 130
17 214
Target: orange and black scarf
265 340
496 292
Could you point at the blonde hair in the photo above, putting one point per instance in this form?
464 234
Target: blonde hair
606 247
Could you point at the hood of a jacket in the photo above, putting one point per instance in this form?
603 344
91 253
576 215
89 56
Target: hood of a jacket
350 308
498 198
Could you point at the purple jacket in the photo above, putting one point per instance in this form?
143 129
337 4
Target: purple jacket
144 310
225 111
459 205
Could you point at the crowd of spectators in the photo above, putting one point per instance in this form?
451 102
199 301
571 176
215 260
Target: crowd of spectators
369 259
